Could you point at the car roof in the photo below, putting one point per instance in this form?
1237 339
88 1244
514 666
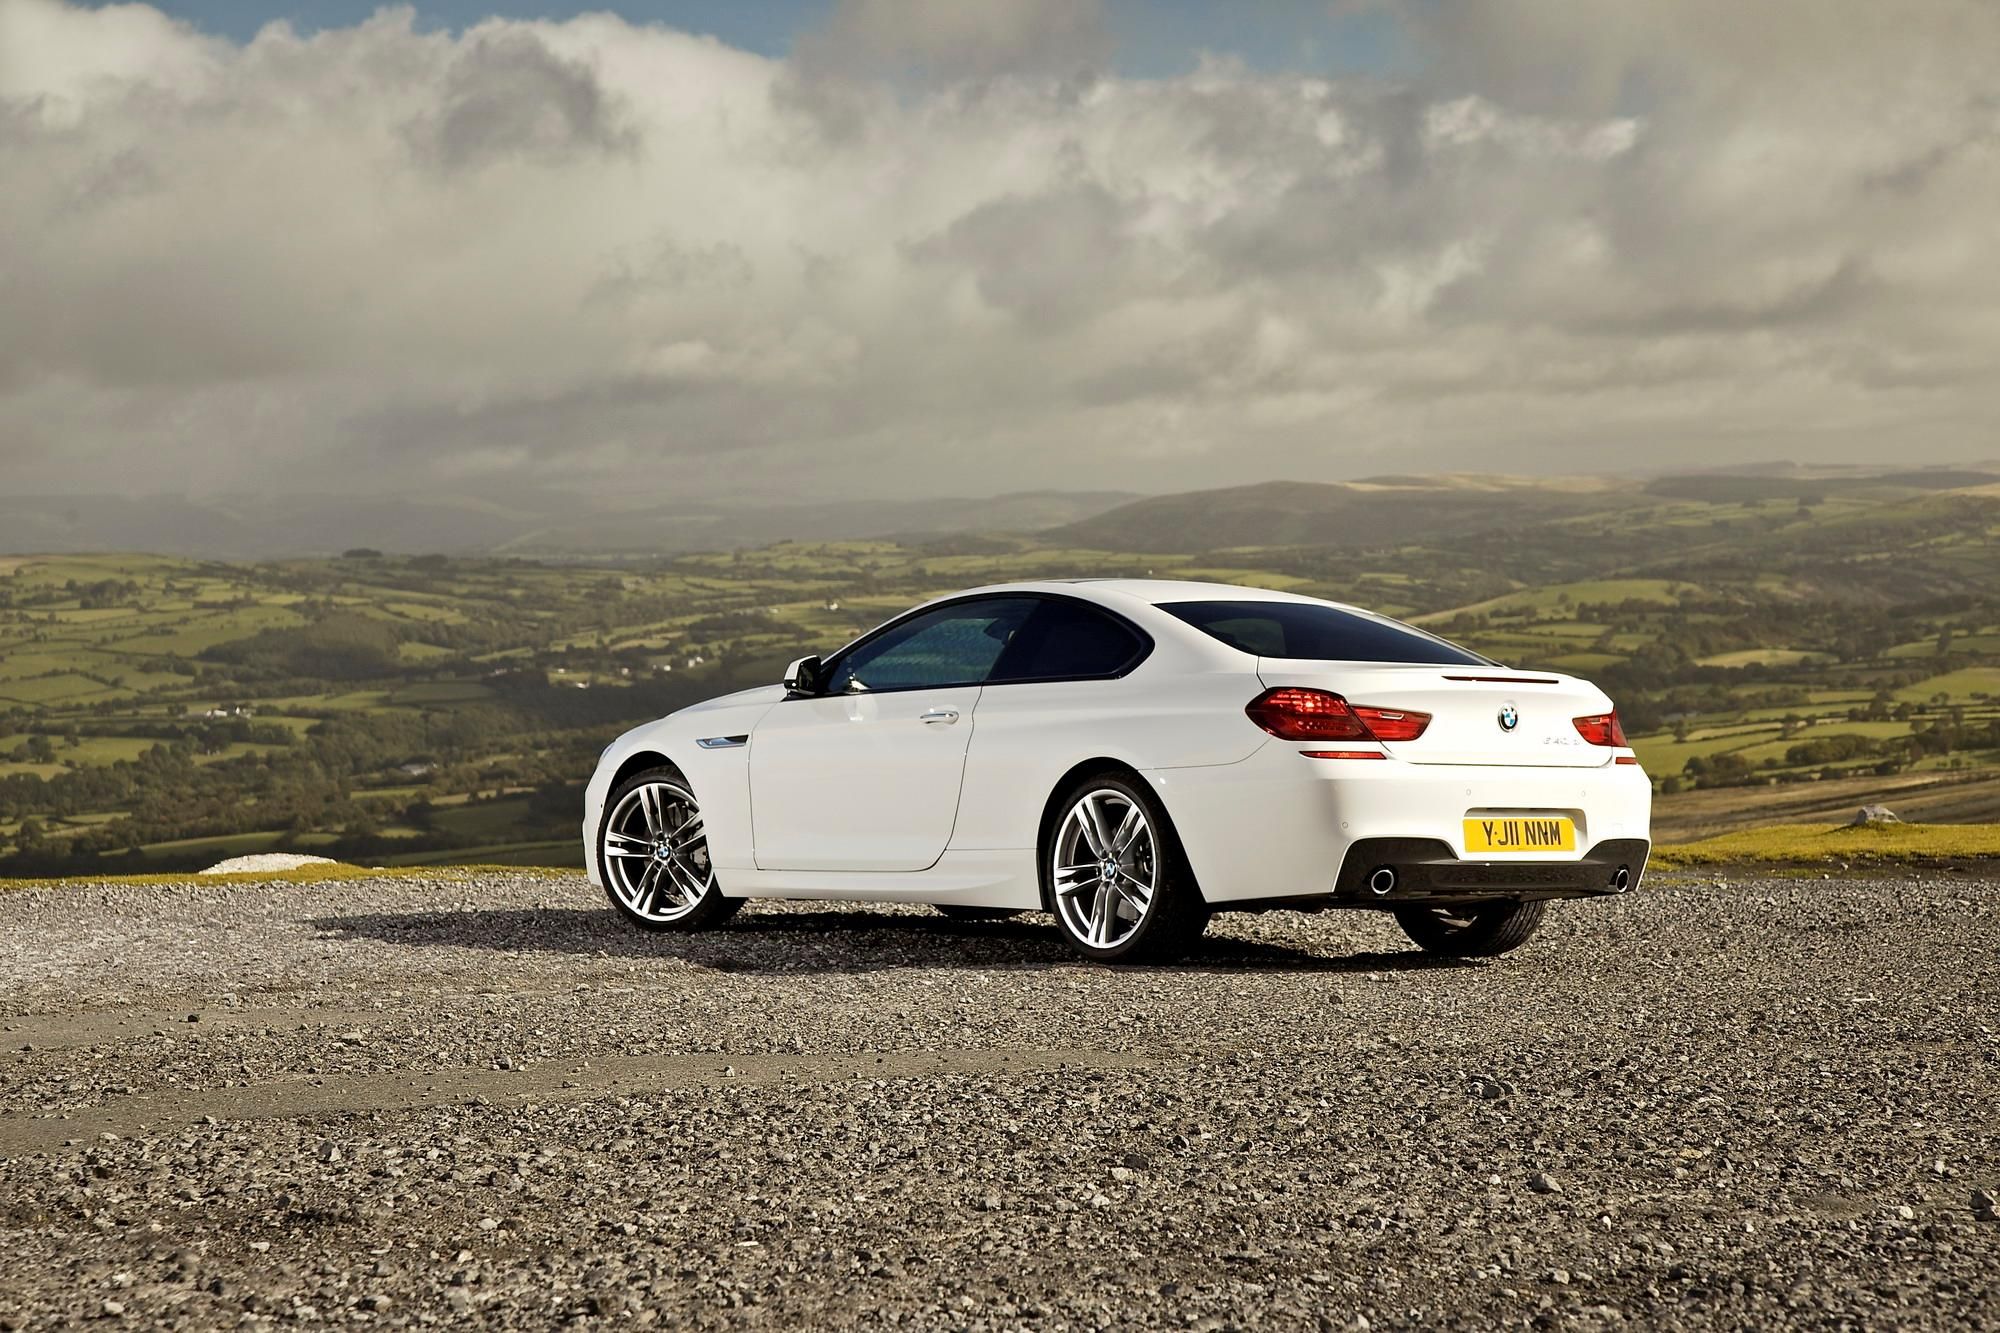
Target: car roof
1142 600
1152 592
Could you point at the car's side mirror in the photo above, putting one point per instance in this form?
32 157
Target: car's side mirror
804 676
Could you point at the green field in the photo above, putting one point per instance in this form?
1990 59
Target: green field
1970 685
1830 845
444 708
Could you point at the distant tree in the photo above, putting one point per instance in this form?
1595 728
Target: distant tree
340 646
361 553
1716 770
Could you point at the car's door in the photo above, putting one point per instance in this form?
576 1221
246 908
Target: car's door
865 774
1058 694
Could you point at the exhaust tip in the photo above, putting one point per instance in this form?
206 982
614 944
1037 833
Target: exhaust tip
1621 879
1382 881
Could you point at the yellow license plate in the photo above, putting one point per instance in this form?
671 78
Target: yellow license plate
1530 834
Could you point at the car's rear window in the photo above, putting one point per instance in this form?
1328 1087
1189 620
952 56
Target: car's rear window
1320 633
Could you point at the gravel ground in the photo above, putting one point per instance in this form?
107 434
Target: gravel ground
1760 1104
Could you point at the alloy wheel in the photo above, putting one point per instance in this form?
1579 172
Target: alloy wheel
1106 868
656 852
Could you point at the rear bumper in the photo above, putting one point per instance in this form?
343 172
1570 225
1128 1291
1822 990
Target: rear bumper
1423 870
1279 826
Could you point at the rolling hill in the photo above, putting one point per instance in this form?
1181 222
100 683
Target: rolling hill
1401 510
1777 651
260 527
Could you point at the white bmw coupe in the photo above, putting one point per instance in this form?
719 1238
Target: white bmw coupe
1132 756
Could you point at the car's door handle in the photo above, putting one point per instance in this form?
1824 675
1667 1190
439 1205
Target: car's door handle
935 715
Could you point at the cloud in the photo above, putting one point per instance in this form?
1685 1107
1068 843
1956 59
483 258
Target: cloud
874 38
507 95
53 59
952 249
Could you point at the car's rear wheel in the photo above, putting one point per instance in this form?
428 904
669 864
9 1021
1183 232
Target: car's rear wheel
1115 876
653 851
1472 930
959 912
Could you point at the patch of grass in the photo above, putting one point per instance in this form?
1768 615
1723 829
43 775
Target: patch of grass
1833 844
18 665
1765 657
193 634
220 846
1579 662
104 749
56 689
441 692
486 821
1659 592
1962 686
43 771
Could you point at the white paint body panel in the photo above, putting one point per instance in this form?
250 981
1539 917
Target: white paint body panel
1278 825
859 782
1465 709
855 797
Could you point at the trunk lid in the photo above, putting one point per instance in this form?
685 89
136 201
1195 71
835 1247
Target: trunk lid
1469 706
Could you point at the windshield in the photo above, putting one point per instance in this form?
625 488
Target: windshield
1322 633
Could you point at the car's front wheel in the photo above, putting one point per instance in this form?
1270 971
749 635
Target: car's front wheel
1115 875
1474 930
653 850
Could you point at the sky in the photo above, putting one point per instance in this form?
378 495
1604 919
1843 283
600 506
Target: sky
1147 37
851 248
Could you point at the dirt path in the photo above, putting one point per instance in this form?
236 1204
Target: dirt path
165 1113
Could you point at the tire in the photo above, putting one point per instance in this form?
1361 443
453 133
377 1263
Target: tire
1156 912
960 913
1481 930
656 889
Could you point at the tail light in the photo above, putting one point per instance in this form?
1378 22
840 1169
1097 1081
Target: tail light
1295 714
1601 729
1392 724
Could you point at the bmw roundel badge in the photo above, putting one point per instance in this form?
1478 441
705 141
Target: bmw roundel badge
1510 717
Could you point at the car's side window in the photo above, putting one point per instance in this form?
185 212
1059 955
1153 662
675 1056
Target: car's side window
1065 640
955 644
